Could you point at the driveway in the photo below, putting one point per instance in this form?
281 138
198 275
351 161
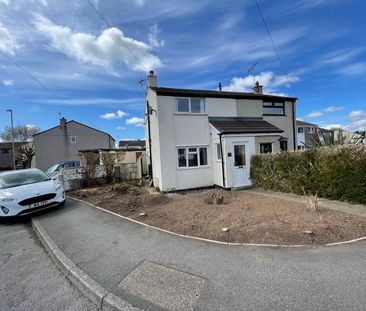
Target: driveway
29 278
148 267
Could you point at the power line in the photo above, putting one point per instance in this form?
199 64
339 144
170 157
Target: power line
43 85
274 45
109 25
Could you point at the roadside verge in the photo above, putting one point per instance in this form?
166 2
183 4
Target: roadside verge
103 298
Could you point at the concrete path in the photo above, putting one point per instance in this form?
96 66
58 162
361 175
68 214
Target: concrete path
29 279
357 209
157 271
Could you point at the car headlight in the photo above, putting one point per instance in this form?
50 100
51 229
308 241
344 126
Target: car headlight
7 199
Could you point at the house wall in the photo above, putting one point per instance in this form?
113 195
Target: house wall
170 130
274 140
254 108
54 145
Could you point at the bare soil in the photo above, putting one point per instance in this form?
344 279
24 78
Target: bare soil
249 218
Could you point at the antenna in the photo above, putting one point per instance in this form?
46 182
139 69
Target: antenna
251 70
59 115
142 82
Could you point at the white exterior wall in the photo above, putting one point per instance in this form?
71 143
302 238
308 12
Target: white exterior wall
170 130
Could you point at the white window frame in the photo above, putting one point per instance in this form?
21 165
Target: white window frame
272 151
187 167
218 152
190 106
73 140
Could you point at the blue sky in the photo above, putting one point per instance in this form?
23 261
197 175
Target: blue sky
189 44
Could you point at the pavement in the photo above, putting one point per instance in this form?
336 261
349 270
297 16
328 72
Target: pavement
29 278
154 270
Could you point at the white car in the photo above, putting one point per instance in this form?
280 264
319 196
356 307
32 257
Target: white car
26 191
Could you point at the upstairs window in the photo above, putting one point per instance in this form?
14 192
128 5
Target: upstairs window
72 139
273 108
300 130
190 105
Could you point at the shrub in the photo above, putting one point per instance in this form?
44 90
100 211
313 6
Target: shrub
334 172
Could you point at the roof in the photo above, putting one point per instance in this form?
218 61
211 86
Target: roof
218 94
302 123
241 125
78 124
133 143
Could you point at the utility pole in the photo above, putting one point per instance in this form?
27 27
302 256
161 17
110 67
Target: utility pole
12 135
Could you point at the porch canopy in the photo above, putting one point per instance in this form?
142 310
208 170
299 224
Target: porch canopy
243 125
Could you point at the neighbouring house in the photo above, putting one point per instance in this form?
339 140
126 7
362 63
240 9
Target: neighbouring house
139 144
202 138
63 143
6 155
310 134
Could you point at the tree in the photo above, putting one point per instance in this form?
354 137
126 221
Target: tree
23 135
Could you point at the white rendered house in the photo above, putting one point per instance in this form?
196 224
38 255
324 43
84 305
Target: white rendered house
203 138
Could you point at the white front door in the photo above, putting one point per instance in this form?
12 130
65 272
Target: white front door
240 169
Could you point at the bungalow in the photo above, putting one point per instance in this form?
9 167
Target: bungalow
202 138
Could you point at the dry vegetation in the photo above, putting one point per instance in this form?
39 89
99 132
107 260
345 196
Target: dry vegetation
229 216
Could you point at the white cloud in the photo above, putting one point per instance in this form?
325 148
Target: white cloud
110 47
314 114
139 122
153 37
119 114
334 126
8 82
120 128
268 79
357 119
333 109
354 69
8 44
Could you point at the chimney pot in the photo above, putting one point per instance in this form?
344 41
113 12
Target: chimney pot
62 122
152 80
257 88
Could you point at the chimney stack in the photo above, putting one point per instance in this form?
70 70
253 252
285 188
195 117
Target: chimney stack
257 88
152 80
62 122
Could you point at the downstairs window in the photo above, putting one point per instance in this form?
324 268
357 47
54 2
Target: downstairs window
192 157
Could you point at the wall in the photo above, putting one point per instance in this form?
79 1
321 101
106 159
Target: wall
268 139
254 108
54 145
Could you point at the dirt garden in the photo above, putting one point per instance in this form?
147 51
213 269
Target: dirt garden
236 216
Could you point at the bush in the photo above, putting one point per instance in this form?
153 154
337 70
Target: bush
334 172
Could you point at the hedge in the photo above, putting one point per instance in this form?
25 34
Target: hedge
333 172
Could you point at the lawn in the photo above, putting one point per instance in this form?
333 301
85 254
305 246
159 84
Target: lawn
236 216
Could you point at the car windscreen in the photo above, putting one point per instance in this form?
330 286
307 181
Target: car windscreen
52 168
22 178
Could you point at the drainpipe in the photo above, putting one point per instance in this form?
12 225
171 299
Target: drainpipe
149 131
222 161
294 125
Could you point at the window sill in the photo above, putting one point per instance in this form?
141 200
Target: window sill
193 168
190 114
274 115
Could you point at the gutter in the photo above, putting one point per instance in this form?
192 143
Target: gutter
222 162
